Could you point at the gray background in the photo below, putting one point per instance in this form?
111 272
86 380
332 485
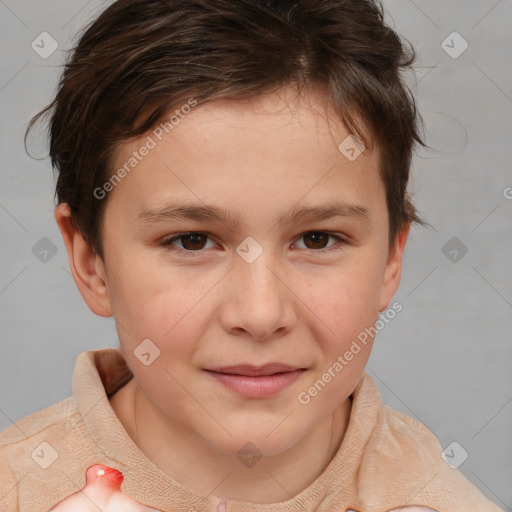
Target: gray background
445 359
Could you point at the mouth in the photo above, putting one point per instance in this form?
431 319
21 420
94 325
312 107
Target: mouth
256 381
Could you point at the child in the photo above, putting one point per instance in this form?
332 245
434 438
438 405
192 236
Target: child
232 190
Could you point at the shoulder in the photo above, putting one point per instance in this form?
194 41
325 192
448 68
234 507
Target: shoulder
410 457
37 422
28 443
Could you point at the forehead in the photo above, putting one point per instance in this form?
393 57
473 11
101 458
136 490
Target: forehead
272 149
305 116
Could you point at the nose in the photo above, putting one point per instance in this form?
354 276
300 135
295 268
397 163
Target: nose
260 303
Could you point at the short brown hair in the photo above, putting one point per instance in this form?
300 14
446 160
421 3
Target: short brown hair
140 58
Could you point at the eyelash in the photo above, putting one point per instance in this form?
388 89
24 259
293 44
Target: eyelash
334 248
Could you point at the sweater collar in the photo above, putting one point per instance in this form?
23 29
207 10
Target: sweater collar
99 374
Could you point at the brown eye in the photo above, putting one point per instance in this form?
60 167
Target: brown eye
191 242
316 239
195 241
319 241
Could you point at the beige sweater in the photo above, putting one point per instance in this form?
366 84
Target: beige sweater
386 461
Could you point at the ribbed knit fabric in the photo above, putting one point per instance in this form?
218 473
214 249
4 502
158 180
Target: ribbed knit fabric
387 460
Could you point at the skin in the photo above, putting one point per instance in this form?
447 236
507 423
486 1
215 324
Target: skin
104 494
298 303
102 491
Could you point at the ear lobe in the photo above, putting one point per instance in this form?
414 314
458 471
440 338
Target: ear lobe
86 266
393 270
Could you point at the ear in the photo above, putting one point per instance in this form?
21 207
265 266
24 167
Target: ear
86 266
393 270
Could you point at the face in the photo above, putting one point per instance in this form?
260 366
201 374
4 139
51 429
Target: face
252 253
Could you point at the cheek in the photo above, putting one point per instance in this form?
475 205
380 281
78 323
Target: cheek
346 301
154 301
168 307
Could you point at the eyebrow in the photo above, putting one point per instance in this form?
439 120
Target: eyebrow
201 212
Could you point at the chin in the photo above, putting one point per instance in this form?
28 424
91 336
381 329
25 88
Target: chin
259 439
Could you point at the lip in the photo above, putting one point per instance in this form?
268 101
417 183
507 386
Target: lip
249 370
257 381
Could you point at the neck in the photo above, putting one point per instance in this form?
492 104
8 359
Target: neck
199 466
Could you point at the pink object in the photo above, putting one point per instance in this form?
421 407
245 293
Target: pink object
102 491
